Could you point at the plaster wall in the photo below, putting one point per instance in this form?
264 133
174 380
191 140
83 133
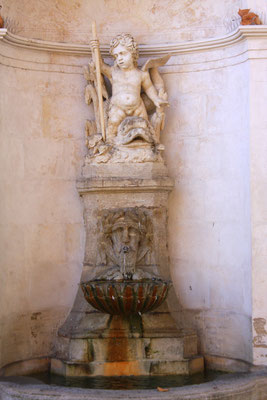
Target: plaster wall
258 149
209 215
207 152
71 22
42 146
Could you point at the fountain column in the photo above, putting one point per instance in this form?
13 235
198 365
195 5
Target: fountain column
94 343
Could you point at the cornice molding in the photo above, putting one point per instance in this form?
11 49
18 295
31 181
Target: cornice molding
2 33
243 32
254 31
96 185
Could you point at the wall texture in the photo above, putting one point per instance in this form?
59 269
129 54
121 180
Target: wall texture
147 20
42 147
212 128
258 149
208 154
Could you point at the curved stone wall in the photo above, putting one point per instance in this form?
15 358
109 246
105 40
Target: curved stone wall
209 216
42 148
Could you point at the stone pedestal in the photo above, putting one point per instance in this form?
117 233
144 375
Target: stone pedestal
119 354
92 343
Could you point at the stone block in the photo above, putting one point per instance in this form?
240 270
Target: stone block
159 324
148 170
78 350
58 367
183 367
165 349
119 368
78 370
115 349
114 356
61 349
85 323
190 345
196 365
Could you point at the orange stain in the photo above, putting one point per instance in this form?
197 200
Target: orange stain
122 368
118 362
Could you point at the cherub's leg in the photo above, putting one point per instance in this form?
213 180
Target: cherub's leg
115 117
141 111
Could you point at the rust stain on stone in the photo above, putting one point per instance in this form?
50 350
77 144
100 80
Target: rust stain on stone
260 340
259 326
118 358
34 316
122 368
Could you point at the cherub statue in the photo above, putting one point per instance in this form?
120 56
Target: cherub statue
136 108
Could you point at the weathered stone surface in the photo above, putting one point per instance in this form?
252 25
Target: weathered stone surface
165 349
135 367
99 194
249 387
27 367
131 118
181 22
121 345
124 240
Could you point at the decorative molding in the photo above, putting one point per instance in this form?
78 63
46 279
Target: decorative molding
255 31
258 31
2 33
43 45
124 185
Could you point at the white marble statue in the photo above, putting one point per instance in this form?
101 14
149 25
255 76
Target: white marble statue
133 115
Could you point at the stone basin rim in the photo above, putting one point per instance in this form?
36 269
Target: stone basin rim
243 386
128 281
126 297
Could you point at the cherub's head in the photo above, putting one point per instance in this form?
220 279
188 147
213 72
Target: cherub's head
124 49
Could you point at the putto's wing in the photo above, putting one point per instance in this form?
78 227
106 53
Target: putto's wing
156 62
104 89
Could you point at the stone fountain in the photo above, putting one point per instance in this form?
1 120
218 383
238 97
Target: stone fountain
123 289
119 323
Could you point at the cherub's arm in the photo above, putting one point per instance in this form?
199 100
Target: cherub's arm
151 91
105 68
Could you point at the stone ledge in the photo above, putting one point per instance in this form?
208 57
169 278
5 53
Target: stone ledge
145 50
3 33
26 367
218 363
256 31
124 185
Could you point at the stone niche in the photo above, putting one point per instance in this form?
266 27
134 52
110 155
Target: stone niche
215 153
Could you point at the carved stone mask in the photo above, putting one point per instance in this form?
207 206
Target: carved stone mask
126 238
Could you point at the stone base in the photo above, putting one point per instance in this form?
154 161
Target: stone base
123 356
91 343
124 347
128 368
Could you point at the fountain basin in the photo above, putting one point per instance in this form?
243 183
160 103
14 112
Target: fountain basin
126 297
251 386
